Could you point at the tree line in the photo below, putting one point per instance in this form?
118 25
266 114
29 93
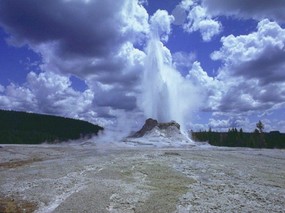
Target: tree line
237 138
30 128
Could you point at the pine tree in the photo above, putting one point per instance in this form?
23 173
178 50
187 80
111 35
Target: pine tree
260 126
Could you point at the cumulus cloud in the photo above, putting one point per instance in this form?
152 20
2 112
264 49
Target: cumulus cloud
233 121
253 69
194 17
197 126
93 40
259 52
179 12
97 41
183 60
68 24
135 20
55 95
211 88
219 124
250 80
186 4
49 93
160 23
199 20
118 90
201 14
257 9
74 30
2 88
16 97
278 125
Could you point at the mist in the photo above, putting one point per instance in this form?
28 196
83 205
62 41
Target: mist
166 94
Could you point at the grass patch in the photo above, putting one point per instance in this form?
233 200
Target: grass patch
172 154
11 205
166 185
19 163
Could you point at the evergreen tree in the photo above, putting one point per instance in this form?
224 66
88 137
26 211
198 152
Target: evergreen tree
260 126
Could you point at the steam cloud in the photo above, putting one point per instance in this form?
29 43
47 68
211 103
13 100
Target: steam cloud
166 94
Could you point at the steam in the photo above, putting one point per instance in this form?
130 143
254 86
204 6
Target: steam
166 94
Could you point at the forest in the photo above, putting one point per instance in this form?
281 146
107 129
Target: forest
30 128
238 138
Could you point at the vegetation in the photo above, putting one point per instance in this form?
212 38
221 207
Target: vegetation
8 204
30 128
260 126
238 138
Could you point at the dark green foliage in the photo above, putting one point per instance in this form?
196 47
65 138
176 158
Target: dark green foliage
260 126
235 138
29 128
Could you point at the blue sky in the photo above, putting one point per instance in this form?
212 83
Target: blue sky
85 58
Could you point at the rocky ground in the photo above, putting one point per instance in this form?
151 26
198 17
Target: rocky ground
90 178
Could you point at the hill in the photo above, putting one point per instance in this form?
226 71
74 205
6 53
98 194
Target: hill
30 128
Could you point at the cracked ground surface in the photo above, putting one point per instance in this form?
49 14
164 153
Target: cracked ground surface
85 178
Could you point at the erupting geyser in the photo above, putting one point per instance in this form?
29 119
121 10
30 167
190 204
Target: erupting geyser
165 92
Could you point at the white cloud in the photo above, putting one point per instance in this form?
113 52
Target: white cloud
222 125
278 125
135 19
96 42
49 93
197 126
224 121
2 88
55 95
253 68
199 20
257 9
16 97
183 60
93 41
179 12
143 2
119 89
269 39
211 89
186 4
161 24
250 81
232 121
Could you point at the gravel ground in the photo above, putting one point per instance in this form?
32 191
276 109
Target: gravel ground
86 178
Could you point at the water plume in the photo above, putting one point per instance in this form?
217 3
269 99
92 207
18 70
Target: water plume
166 94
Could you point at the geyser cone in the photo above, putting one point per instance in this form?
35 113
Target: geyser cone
150 124
158 134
